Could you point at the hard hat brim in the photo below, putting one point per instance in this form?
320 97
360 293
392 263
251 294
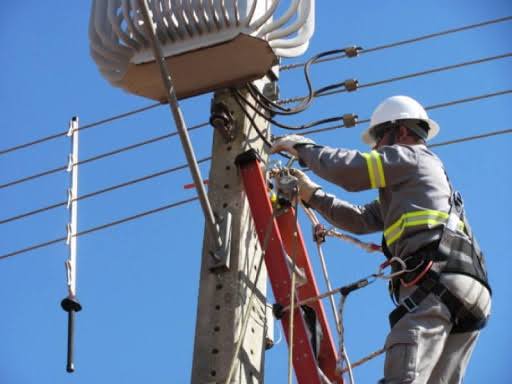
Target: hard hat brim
433 130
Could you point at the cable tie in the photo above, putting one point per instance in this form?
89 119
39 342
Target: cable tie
73 125
70 198
351 85
68 233
349 120
71 163
352 51
68 266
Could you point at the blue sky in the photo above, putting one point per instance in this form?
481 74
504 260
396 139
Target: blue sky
138 281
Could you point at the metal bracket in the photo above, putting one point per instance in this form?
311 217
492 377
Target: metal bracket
222 120
271 90
221 258
273 74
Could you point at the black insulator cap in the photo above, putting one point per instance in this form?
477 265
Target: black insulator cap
69 305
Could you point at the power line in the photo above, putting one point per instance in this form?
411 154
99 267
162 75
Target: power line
428 108
239 97
97 157
471 138
405 42
403 77
87 126
282 68
468 99
187 201
99 228
101 191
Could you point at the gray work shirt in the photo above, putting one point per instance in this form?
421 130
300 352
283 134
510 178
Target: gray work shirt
414 192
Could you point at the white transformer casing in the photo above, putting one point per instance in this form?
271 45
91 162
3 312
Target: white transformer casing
208 44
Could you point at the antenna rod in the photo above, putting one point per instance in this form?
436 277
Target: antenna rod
70 304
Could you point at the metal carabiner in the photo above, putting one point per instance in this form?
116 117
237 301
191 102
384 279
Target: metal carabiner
387 263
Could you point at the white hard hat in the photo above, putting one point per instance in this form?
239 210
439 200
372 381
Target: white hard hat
398 108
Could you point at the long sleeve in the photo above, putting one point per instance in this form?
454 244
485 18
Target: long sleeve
359 219
357 171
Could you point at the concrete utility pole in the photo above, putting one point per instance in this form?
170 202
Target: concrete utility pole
224 293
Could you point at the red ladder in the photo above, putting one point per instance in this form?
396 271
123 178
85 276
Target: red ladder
281 243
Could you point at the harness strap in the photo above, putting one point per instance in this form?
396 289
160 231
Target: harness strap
463 320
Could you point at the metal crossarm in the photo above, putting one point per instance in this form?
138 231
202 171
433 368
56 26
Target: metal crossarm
281 241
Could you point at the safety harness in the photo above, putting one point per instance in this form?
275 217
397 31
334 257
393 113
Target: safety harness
453 253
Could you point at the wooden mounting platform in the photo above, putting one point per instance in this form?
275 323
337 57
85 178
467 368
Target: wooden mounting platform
230 64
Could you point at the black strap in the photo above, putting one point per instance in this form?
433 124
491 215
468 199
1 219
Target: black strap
463 320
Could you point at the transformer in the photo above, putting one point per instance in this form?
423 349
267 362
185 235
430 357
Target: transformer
208 44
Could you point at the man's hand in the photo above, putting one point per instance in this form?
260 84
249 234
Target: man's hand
288 143
306 187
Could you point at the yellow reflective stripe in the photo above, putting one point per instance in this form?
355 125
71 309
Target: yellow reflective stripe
375 169
380 169
411 219
414 214
369 165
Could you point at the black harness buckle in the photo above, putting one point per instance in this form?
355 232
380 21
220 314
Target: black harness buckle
409 304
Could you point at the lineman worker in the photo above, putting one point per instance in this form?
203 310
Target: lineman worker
444 298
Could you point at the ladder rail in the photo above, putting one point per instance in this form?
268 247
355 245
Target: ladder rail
280 244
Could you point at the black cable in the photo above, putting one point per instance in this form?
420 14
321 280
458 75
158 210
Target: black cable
183 202
428 108
285 126
101 191
87 126
471 138
322 92
99 228
97 157
236 96
404 42
276 109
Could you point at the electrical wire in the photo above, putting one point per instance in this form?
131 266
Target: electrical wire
405 42
97 157
45 244
237 97
276 109
255 126
87 126
285 126
320 92
102 191
183 166
471 138
99 228
428 108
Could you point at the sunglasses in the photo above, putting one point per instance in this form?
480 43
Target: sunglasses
380 130
417 126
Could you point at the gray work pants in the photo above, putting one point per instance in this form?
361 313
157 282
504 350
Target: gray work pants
420 348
